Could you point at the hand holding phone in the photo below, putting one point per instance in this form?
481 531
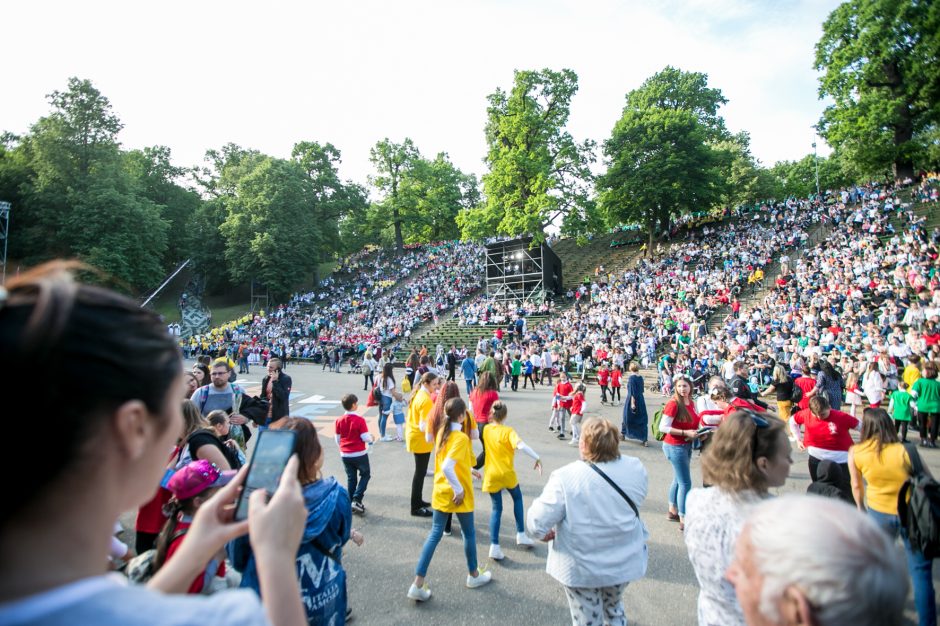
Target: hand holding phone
268 460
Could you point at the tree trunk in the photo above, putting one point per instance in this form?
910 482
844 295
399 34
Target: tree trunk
903 135
651 230
399 240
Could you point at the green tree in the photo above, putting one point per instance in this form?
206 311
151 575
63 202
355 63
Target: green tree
675 90
270 230
392 161
157 180
77 199
436 191
662 156
537 173
330 198
747 182
798 178
880 61
660 167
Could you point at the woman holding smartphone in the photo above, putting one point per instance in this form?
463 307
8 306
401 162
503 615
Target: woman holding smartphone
116 411
328 528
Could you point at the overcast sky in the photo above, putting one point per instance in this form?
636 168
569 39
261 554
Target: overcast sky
198 74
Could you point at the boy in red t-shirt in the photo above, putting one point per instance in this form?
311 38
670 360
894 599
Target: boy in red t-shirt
352 435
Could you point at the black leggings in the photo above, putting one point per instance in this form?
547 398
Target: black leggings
615 391
417 482
934 421
900 427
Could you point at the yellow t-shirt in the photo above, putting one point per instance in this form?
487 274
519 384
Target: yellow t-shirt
500 470
418 411
910 375
883 474
459 449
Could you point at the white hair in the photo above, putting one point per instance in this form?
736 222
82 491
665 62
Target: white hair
847 567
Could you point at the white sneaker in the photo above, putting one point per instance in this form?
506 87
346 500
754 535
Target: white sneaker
479 581
496 552
388 438
573 442
422 594
522 539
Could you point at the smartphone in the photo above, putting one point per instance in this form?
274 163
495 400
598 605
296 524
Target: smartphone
268 460
704 430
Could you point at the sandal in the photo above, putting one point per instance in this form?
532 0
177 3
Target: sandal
672 517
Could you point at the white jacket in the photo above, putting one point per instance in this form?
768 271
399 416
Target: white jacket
599 541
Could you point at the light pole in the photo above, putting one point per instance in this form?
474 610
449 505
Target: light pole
4 233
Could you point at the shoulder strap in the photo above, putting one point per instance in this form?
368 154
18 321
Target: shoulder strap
917 465
203 398
619 490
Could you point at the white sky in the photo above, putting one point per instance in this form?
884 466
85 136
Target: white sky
198 74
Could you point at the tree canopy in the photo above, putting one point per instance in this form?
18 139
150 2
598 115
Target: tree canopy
661 158
880 64
537 173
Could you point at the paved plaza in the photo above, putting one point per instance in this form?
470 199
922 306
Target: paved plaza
521 593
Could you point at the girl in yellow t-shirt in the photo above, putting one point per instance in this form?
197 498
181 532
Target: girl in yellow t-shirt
453 493
499 473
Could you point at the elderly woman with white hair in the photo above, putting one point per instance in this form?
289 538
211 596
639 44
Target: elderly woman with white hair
589 511
810 560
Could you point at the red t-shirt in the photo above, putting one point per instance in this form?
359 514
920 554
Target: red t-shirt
350 428
615 378
199 581
577 404
672 409
603 376
829 434
806 384
481 402
564 389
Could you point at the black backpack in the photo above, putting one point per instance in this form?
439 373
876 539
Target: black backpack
796 396
920 517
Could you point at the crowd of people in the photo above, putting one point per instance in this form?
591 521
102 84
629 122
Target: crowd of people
852 322
375 299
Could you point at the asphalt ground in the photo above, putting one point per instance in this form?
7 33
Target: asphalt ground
380 572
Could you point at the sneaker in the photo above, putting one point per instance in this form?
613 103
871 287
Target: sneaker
422 512
551 428
358 508
421 594
478 581
573 442
387 438
522 539
496 554
561 435
447 533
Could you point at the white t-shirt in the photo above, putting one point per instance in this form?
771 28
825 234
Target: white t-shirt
109 601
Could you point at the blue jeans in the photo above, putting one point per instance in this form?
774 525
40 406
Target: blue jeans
497 514
469 385
384 408
680 457
437 531
919 566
